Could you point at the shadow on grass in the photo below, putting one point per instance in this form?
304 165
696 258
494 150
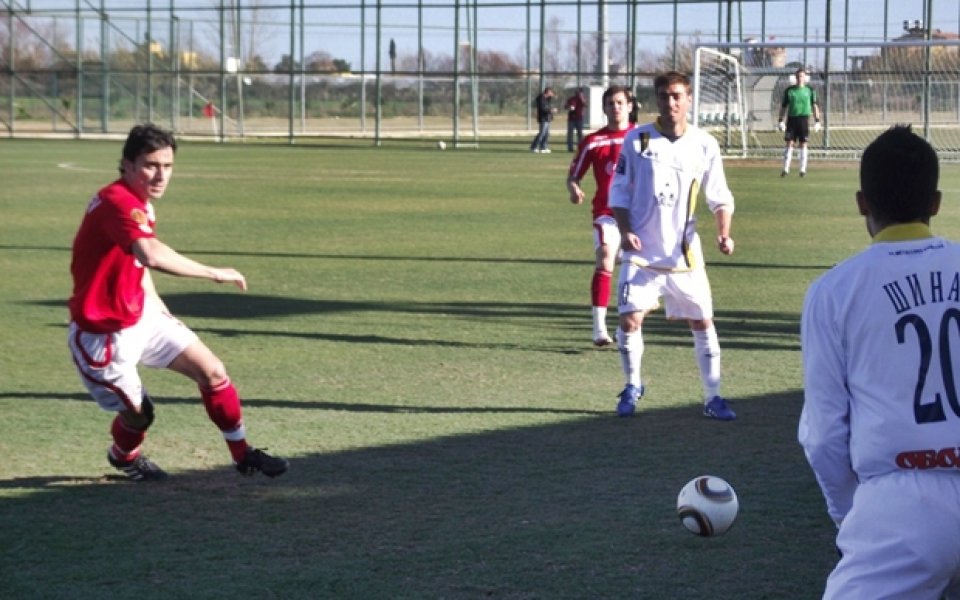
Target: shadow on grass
331 406
582 508
721 264
746 330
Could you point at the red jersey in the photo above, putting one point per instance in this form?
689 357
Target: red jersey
575 106
599 150
107 278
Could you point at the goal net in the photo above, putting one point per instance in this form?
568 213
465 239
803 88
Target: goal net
718 101
862 88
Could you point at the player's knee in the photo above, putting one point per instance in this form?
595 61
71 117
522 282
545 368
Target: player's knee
630 322
207 371
700 324
214 374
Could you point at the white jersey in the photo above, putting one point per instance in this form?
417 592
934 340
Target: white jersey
881 347
659 181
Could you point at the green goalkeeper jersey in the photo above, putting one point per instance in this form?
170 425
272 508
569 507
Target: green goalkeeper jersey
799 100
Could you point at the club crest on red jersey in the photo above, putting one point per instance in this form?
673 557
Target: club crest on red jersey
140 218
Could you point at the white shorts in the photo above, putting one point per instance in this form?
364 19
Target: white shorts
686 295
605 232
107 362
900 540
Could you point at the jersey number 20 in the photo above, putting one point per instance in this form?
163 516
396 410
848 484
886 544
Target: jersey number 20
932 412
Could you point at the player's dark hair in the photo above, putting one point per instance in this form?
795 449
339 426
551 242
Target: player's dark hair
613 90
899 174
665 80
144 139
616 89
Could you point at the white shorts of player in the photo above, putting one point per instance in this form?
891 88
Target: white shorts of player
686 294
605 232
900 539
107 362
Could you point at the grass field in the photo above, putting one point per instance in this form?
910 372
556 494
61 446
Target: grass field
416 340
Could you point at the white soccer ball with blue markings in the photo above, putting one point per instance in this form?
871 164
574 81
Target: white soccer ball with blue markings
707 506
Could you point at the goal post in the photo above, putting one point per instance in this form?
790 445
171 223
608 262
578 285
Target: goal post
863 89
718 102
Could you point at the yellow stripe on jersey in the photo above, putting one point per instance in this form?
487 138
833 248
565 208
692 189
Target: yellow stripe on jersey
692 195
641 262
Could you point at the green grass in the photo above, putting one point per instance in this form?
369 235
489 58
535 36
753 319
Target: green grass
416 340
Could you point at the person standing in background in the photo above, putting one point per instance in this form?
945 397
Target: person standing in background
545 109
575 106
799 103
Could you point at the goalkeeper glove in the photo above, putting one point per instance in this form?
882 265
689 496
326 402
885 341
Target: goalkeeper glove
817 127
781 126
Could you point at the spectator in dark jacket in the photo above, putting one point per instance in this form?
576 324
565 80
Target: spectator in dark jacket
545 110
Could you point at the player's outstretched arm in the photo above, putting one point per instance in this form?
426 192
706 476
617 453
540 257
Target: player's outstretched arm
154 254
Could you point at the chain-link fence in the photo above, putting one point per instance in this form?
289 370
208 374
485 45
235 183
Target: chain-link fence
457 69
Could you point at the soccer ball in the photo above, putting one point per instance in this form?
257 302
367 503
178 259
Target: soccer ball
441 145
707 506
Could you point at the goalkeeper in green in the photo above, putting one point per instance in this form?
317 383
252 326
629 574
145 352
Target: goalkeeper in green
799 103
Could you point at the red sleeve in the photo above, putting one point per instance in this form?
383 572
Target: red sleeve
126 219
581 160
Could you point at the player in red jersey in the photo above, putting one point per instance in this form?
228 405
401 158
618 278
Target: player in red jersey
118 320
600 150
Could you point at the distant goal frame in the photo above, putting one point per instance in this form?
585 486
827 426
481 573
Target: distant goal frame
882 83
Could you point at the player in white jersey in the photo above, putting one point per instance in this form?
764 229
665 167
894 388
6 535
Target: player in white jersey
881 418
662 167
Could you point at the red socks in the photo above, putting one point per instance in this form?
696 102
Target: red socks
600 288
223 407
126 440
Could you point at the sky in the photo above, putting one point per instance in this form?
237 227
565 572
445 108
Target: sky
334 26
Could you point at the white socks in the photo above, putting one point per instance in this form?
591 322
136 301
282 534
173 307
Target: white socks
706 347
599 322
788 156
631 351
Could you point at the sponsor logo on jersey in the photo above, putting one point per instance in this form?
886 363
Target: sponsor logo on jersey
921 460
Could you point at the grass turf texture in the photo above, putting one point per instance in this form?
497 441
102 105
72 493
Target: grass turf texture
416 339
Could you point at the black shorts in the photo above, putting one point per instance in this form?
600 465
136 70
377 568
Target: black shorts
798 128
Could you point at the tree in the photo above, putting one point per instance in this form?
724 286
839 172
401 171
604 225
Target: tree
35 44
551 45
685 54
286 65
318 61
246 32
493 61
